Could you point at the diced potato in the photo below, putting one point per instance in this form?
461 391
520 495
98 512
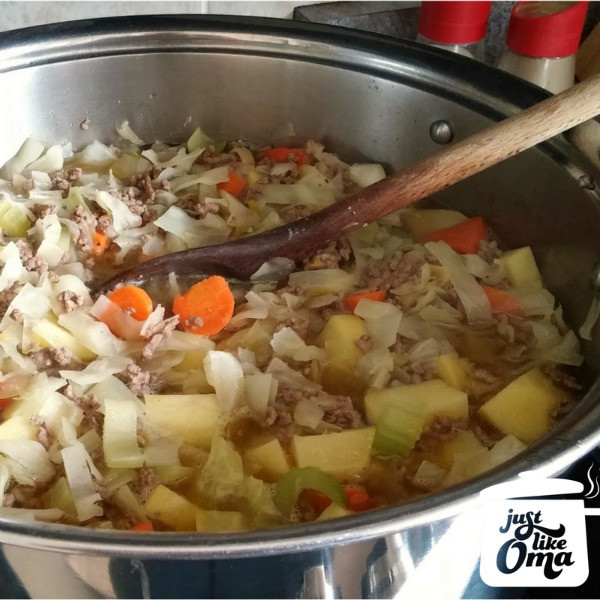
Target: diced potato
193 359
338 338
342 454
524 407
420 222
465 443
220 521
451 370
435 397
171 509
270 458
333 511
47 334
18 428
189 418
520 267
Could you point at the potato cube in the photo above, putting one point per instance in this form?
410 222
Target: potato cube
423 221
18 428
220 521
520 267
451 370
338 338
465 443
171 509
435 398
189 418
342 454
524 407
270 459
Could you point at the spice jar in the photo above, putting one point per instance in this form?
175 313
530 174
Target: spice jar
542 42
456 26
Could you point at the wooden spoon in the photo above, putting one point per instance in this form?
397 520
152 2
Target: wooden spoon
240 258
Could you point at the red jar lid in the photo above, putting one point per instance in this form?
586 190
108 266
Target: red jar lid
454 22
546 29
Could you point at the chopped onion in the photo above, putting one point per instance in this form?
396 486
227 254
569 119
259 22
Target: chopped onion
505 449
428 475
322 281
283 372
210 177
256 308
29 151
49 162
50 515
274 269
122 217
308 414
365 175
585 331
12 269
259 390
80 482
97 370
96 153
471 294
286 343
29 463
225 374
91 333
126 133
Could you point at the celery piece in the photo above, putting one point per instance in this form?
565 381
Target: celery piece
398 430
13 219
307 478
199 139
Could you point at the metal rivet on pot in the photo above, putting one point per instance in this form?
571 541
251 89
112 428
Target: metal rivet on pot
441 132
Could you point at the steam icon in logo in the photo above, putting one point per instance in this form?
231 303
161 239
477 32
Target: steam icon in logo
530 540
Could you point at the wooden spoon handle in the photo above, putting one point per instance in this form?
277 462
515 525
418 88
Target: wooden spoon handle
299 239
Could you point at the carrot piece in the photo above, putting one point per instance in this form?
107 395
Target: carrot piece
132 297
235 185
352 301
143 526
206 307
100 243
283 155
358 497
463 237
503 302
4 402
318 500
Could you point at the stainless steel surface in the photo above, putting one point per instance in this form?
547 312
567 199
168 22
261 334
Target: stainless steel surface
367 98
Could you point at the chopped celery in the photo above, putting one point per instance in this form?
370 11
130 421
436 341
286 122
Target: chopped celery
308 478
398 429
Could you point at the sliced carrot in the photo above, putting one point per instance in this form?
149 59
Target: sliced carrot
235 185
503 302
283 155
100 243
143 526
206 307
358 497
352 301
132 297
4 402
463 237
318 500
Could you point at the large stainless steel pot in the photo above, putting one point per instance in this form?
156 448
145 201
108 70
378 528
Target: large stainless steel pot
367 97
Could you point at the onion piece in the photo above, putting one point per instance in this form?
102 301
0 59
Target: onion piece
286 343
119 437
260 389
308 414
225 374
125 132
80 482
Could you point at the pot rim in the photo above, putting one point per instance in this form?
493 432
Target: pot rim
490 92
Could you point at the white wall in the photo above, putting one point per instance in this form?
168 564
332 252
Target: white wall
19 13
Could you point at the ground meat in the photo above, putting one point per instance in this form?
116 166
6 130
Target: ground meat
88 404
364 344
49 358
198 209
63 180
147 185
488 250
70 300
85 124
28 258
293 213
329 257
299 323
142 382
157 335
442 428
230 158
44 436
105 225
16 315
485 434
388 274
43 210
561 378
26 496
85 224
7 296
411 373
144 483
482 383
